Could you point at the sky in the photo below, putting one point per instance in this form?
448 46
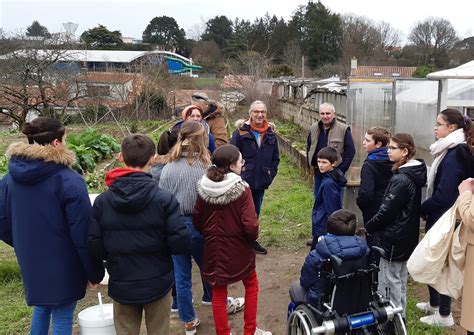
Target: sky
132 16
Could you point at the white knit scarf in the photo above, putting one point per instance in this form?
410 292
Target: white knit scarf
438 151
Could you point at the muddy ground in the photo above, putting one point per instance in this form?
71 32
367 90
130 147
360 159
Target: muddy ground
276 271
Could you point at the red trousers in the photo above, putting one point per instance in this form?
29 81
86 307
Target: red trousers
219 303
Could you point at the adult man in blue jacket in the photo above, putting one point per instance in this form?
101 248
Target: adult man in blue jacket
259 148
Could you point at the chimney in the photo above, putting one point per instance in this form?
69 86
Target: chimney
353 66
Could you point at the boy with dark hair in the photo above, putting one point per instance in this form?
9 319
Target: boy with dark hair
339 241
136 227
328 197
375 173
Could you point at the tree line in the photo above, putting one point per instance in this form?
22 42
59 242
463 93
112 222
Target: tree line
327 40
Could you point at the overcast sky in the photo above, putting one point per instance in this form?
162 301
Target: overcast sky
132 16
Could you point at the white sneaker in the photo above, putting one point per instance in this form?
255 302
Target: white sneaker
235 305
437 320
259 331
426 308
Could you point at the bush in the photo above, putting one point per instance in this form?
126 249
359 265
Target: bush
280 70
91 147
422 71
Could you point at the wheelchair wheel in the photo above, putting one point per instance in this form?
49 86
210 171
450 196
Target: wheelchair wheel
301 321
393 327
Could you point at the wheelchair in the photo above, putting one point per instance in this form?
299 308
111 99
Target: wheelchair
351 303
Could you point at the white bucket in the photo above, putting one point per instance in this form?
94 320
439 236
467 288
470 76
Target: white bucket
97 320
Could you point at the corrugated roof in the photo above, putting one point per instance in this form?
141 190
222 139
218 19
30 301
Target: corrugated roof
107 56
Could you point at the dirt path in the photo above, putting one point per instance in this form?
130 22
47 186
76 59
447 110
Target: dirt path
276 271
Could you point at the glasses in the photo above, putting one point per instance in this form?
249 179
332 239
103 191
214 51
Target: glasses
438 125
259 112
391 148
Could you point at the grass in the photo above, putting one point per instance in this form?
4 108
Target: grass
15 315
292 132
207 83
286 211
415 327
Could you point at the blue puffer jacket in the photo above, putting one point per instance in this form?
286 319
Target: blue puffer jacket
344 247
328 200
261 163
45 216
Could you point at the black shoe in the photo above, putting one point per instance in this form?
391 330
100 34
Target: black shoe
259 249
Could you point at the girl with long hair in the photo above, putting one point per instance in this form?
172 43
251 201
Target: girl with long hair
186 164
450 167
45 214
396 226
225 214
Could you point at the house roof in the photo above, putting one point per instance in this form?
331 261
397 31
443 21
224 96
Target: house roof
383 71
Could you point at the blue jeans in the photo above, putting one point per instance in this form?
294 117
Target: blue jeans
257 196
182 274
62 316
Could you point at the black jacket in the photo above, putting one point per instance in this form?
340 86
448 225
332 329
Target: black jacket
136 227
374 178
396 226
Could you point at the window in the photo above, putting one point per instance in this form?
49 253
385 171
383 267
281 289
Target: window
98 91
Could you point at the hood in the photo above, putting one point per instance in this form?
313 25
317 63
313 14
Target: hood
338 176
131 191
346 247
32 163
214 109
416 170
222 192
380 154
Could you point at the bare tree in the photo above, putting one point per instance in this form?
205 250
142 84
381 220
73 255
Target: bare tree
31 80
434 37
389 36
292 55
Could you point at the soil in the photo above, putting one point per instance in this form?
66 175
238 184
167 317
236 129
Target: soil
276 271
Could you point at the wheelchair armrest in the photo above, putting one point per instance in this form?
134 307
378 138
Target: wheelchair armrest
336 260
377 253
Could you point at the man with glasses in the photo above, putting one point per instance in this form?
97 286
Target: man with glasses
328 132
259 148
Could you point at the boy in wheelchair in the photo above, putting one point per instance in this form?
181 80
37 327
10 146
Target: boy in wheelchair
337 291
341 242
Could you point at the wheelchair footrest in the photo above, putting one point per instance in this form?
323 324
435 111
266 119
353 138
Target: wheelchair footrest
343 324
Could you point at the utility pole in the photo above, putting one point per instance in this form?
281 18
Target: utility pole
302 66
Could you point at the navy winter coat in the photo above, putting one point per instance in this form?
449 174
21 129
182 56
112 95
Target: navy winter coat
452 170
327 200
45 215
375 175
344 247
136 227
261 163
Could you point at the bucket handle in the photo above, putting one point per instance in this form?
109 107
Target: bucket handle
101 306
